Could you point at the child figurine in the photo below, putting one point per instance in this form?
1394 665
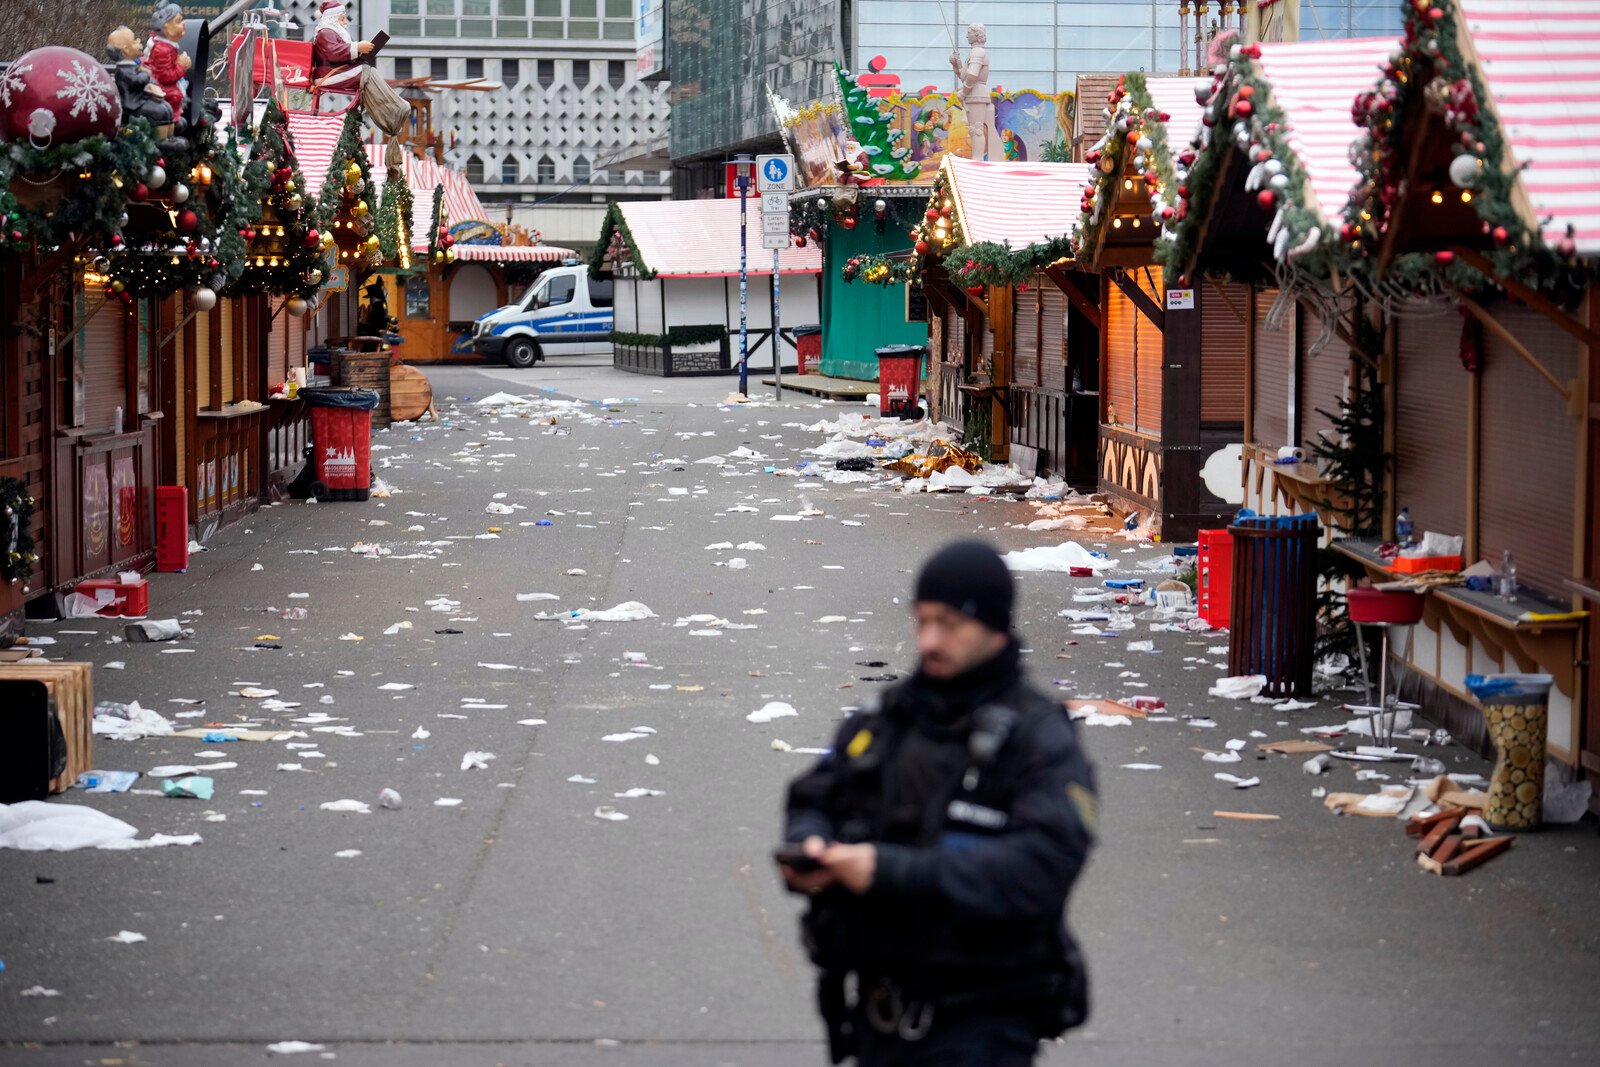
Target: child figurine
165 61
139 97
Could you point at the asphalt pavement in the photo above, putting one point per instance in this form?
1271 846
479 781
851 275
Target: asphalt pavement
527 924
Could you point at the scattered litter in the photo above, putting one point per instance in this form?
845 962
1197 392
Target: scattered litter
1236 781
1240 687
359 807
40 991
290 1048
447 802
776 709
35 826
1060 558
1141 766
347 854
608 813
198 787
389 799
127 937
478 761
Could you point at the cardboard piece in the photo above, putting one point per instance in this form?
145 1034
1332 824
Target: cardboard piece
1294 748
1106 707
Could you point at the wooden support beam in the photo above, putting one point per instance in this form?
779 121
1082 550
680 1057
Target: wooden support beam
37 278
1075 296
1532 297
1140 300
1498 329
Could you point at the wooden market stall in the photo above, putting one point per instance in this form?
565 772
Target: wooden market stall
1001 305
1260 199
435 298
676 296
1172 357
1477 220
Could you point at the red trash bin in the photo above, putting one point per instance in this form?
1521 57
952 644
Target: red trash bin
1215 574
341 439
808 348
899 380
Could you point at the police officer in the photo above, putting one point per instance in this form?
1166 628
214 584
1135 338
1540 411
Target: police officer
938 842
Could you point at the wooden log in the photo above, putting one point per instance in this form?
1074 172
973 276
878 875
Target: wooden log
1448 849
1435 836
1477 854
1419 827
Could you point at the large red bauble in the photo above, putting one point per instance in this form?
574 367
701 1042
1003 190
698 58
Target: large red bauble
56 96
1267 199
187 220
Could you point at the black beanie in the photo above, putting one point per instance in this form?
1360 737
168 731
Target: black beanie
972 578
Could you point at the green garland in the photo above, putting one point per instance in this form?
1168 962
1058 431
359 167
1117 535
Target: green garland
338 202
222 200
1136 137
19 557
291 263
1240 114
1432 63
394 221
675 335
439 239
98 175
616 242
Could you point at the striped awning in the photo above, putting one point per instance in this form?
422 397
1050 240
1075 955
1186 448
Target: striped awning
541 253
700 238
1015 204
314 137
1541 64
1314 84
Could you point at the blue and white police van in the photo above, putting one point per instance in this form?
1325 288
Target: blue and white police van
564 312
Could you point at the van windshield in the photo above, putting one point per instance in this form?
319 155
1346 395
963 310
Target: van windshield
532 294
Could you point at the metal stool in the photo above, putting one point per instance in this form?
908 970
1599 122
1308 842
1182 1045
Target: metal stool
1385 608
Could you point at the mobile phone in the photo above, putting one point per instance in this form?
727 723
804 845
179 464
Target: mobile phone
793 856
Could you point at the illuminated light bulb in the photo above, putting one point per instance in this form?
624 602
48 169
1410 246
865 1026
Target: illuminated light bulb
1466 196
1127 183
1136 223
1116 223
1438 197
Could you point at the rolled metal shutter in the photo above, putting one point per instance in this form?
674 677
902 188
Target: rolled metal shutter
105 362
1120 318
296 342
202 359
1224 349
1274 358
1152 352
1430 395
1053 338
278 351
229 353
1528 451
1324 380
1025 333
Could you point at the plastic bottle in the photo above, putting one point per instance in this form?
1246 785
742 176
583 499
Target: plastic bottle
1403 529
1508 576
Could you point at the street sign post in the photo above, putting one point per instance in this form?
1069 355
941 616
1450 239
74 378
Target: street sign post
776 241
774 223
775 202
775 173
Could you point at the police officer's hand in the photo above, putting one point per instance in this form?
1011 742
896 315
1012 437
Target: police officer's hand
851 865
809 881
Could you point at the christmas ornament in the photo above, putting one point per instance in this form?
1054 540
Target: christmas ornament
295 306
180 193
141 192
157 177
187 220
1267 198
1465 170
205 298
56 96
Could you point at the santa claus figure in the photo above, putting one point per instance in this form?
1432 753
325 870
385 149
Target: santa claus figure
335 55
167 63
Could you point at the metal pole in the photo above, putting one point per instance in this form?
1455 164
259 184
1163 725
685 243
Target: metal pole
744 290
777 339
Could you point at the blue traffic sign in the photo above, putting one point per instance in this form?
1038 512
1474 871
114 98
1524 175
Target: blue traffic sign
775 173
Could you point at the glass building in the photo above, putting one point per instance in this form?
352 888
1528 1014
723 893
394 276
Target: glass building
723 54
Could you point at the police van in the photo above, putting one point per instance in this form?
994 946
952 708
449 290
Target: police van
564 312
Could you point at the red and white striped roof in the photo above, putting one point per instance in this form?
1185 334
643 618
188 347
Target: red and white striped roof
313 137
1541 64
1015 204
1314 84
1175 98
700 238
540 253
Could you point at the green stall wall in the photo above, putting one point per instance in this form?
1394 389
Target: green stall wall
857 317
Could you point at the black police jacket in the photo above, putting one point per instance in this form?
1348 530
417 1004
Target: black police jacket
969 898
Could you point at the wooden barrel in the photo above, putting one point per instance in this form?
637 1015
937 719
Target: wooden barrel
369 370
411 394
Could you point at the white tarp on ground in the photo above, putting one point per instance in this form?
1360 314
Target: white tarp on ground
34 826
1062 557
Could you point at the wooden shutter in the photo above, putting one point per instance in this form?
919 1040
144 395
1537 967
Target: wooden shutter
1152 352
1224 346
277 350
229 353
296 341
202 359
1430 462
1053 338
1527 451
1324 380
1274 359
1120 317
105 362
1025 334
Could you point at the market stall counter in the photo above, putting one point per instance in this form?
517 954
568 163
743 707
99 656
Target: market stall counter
1465 631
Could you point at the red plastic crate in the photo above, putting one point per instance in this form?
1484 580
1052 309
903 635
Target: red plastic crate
129 598
1216 576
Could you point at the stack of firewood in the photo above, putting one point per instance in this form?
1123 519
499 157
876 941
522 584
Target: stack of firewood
1451 845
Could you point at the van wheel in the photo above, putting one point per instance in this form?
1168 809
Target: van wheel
522 353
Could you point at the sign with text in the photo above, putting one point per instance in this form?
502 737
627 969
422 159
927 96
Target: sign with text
776 241
1180 299
775 173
